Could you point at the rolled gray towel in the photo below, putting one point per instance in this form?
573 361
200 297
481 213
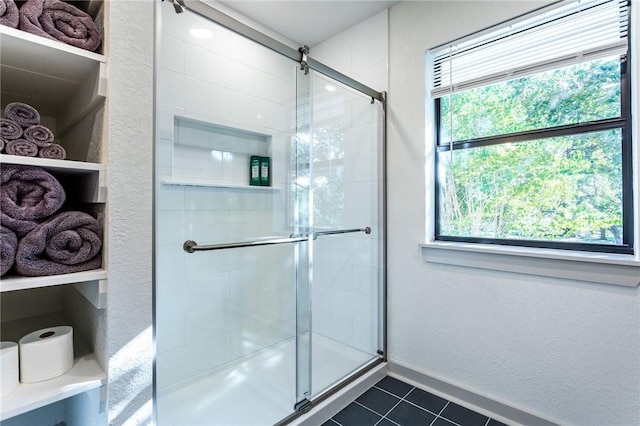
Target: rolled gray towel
39 134
68 242
60 21
8 247
27 195
2 144
22 147
53 151
23 114
9 13
9 129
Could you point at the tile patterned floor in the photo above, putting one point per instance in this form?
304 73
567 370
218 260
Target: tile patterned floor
392 402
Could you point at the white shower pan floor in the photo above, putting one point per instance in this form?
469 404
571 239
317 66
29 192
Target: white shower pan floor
257 390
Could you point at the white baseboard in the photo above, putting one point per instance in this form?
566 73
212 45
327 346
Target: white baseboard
490 407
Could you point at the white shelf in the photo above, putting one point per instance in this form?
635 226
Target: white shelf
187 182
14 282
93 175
57 79
86 374
55 165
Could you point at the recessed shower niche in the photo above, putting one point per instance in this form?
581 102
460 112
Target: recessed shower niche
205 153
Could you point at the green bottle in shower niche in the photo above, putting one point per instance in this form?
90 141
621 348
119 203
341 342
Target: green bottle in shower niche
254 170
265 171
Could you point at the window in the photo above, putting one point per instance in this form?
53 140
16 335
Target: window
533 140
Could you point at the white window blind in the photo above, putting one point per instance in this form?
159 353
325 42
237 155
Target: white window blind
568 33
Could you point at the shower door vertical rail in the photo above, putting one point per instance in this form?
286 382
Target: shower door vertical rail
301 193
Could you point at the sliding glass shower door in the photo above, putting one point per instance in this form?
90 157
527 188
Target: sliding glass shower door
268 286
339 189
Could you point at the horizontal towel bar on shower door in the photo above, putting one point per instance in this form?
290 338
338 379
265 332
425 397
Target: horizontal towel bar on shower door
315 235
191 246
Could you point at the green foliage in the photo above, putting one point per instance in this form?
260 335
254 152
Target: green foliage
564 188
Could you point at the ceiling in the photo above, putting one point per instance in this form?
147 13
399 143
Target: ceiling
307 21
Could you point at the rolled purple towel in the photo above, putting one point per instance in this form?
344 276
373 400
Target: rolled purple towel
53 151
39 134
9 13
9 129
2 144
60 21
27 195
68 242
8 247
23 114
22 147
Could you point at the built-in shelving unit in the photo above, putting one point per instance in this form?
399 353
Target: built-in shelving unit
210 154
68 86
45 72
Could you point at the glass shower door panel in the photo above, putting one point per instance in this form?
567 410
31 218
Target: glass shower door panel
346 187
237 343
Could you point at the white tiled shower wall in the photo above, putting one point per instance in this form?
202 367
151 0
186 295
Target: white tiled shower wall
214 307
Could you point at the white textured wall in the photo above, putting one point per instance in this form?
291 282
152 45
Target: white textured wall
565 350
130 173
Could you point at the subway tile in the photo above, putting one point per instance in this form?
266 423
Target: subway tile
170 332
172 52
206 290
170 227
206 226
171 297
281 90
254 337
180 25
335 326
199 198
164 153
246 79
170 262
332 274
207 66
205 323
170 198
365 336
166 121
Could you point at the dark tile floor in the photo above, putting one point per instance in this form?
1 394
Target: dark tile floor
393 402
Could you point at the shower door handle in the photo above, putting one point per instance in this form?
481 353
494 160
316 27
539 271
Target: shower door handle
191 246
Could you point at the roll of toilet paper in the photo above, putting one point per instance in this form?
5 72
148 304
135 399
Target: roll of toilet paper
9 369
46 353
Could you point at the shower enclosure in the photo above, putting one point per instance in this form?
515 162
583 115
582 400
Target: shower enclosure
268 295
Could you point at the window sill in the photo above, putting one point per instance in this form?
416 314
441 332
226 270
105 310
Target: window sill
603 268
